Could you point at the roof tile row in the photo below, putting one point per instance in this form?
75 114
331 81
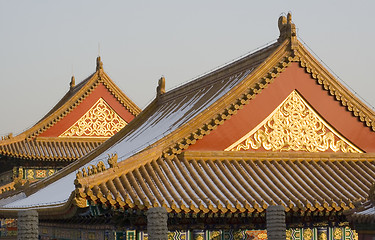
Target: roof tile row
200 182
49 149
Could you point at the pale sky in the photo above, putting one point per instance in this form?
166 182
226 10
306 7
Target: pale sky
44 42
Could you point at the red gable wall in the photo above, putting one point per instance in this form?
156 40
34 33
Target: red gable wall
294 77
99 92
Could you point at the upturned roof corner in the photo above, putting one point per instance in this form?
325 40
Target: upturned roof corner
287 30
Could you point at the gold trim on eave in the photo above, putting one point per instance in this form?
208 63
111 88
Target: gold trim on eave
99 121
294 125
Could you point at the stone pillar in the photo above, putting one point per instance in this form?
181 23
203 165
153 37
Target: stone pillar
157 219
276 227
27 224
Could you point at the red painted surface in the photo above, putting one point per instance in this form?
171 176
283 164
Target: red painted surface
99 92
294 77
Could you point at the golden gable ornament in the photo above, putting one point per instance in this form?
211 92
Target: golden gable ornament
99 121
294 126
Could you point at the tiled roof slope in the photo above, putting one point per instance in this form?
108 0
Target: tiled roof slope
202 182
28 145
364 213
176 119
51 149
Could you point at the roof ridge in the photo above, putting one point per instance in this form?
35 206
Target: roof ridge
223 70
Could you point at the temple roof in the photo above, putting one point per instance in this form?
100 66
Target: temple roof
153 163
45 141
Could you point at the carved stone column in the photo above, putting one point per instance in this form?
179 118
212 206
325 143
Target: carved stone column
157 219
276 227
27 224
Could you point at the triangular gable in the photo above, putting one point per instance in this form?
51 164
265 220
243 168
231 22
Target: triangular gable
42 141
294 126
86 95
86 105
79 99
99 121
253 112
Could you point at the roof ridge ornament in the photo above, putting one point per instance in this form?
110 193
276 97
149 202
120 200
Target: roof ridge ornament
99 64
160 90
287 30
72 83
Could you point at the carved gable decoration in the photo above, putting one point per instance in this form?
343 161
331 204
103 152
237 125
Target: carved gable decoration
294 126
99 121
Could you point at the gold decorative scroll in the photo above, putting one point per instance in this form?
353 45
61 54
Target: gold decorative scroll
294 126
99 121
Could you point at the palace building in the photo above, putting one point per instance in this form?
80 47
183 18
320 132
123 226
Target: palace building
89 113
269 146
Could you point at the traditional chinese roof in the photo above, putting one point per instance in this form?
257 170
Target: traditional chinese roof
74 127
184 151
202 182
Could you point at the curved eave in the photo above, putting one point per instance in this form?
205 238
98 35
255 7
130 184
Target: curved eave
63 210
51 149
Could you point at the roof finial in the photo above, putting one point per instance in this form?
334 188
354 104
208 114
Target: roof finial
161 87
99 64
287 29
72 83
